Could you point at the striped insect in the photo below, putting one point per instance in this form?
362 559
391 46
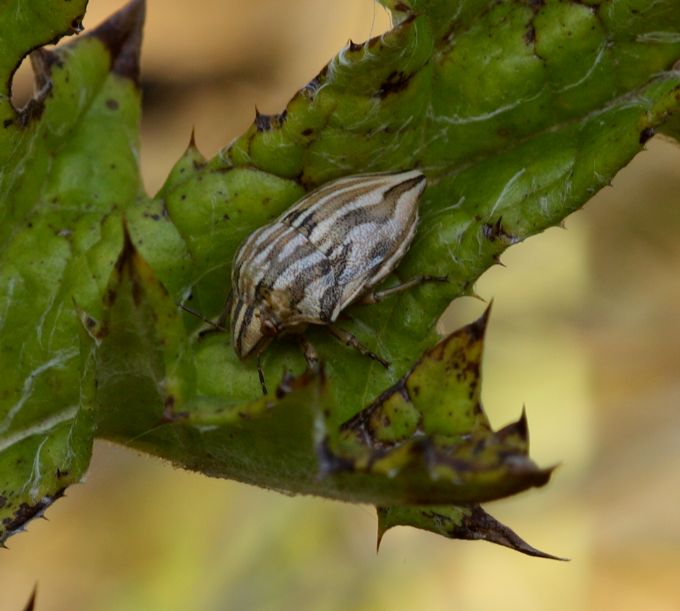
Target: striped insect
325 253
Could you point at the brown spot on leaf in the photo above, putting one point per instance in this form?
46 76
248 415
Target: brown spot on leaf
127 252
315 84
112 104
329 462
31 112
394 83
42 62
354 47
265 123
477 329
110 297
122 35
646 134
76 25
530 34
496 231
262 122
169 415
26 512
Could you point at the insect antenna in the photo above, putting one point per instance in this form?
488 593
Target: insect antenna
207 321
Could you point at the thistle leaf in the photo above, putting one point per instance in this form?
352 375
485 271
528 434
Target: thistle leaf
513 130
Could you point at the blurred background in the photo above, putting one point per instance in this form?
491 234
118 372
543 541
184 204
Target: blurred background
585 332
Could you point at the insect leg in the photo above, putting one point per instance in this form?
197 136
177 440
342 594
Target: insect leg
226 310
349 340
260 373
309 352
377 296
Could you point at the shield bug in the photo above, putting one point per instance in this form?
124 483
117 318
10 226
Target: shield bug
325 253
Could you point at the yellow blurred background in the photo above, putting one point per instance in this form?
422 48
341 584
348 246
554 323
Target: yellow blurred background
585 332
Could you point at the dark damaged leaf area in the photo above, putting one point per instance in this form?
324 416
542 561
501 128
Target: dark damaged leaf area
430 430
517 112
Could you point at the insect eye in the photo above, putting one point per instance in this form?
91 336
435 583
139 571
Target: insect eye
269 328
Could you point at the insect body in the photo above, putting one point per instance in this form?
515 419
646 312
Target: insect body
321 255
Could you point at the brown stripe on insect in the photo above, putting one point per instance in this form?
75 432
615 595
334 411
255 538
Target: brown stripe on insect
324 205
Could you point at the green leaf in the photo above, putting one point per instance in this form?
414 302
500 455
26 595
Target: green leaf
70 162
517 112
